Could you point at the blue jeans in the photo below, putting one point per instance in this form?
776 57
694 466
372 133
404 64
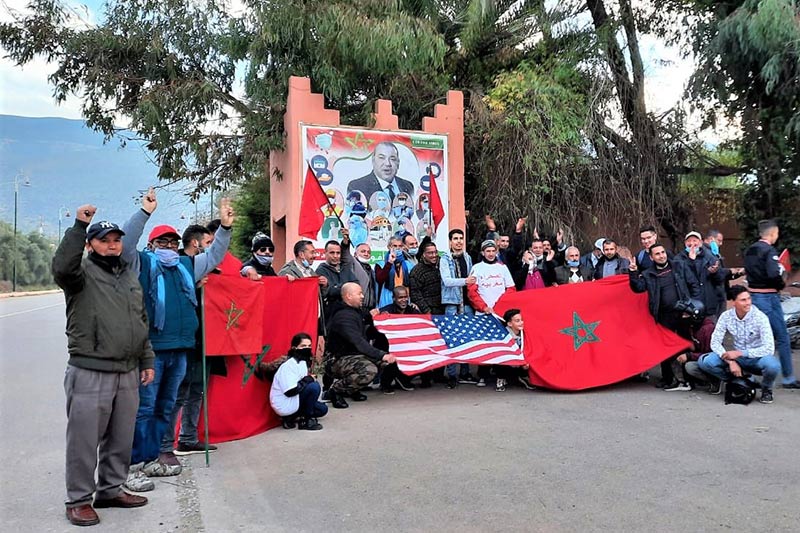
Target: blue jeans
452 310
770 305
156 402
767 367
310 406
187 405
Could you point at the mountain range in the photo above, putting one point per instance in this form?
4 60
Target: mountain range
67 164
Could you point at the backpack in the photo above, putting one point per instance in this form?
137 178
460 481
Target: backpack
740 390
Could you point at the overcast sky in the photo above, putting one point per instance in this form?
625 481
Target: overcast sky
25 91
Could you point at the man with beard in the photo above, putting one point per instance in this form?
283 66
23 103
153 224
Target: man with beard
706 269
668 285
610 263
335 274
573 271
361 268
109 356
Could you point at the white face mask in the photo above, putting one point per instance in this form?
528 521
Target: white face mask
364 260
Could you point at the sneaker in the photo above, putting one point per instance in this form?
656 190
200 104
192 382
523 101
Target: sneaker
309 424
501 385
452 383
481 383
766 396
467 379
137 480
388 390
325 397
793 385
197 447
337 400
715 388
404 384
661 384
158 468
525 382
678 386
358 396
288 422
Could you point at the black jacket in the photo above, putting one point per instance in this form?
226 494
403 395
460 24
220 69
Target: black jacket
622 266
562 274
761 264
425 287
333 292
264 270
710 283
348 333
686 284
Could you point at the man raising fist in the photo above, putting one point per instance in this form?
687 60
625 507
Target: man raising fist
109 356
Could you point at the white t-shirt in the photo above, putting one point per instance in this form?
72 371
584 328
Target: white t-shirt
286 378
492 280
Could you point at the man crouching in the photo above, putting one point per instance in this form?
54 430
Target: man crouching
355 360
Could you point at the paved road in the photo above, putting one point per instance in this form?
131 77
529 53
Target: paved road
624 458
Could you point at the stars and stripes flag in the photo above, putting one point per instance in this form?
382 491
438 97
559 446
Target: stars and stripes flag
425 342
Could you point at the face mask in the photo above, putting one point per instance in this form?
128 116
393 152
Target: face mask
413 251
107 262
263 259
573 264
538 257
305 263
302 354
399 255
168 258
383 203
364 260
401 202
424 206
714 247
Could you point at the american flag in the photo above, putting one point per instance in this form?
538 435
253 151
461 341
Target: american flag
425 342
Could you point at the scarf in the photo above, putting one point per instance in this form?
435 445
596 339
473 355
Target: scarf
158 292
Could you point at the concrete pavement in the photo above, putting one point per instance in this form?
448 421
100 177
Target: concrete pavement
624 458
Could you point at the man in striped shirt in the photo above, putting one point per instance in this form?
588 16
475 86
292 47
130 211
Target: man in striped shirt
753 345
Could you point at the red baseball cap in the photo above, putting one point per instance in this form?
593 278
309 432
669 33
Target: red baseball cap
160 231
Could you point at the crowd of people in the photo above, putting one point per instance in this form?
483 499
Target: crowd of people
133 327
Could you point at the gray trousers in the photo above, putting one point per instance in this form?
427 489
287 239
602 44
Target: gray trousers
101 415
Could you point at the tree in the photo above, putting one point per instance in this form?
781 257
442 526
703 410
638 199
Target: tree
34 254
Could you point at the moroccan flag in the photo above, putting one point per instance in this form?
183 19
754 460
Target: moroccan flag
785 260
437 210
314 199
238 404
234 315
230 265
590 334
425 342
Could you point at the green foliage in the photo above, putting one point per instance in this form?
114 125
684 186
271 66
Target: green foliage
34 254
251 204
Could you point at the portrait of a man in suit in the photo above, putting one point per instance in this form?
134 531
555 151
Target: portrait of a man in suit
385 164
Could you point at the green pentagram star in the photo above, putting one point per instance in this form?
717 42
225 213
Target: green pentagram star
233 315
581 332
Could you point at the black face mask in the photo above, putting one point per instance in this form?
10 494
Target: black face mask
302 354
106 262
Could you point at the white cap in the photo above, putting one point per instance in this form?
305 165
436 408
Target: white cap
599 243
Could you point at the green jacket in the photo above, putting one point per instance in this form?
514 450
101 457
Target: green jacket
106 321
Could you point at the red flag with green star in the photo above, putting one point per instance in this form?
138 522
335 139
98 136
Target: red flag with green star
234 315
591 334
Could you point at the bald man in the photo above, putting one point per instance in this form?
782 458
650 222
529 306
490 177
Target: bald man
573 271
355 361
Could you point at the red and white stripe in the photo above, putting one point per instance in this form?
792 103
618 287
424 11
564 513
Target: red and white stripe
418 346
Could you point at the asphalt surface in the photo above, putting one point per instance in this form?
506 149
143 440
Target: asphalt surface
624 458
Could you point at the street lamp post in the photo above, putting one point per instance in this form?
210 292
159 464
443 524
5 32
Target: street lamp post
65 212
26 183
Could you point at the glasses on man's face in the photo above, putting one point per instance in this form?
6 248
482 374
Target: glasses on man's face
167 243
265 250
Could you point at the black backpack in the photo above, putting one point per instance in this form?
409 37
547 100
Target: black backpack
740 390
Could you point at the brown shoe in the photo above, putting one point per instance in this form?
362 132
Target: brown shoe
82 515
123 500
